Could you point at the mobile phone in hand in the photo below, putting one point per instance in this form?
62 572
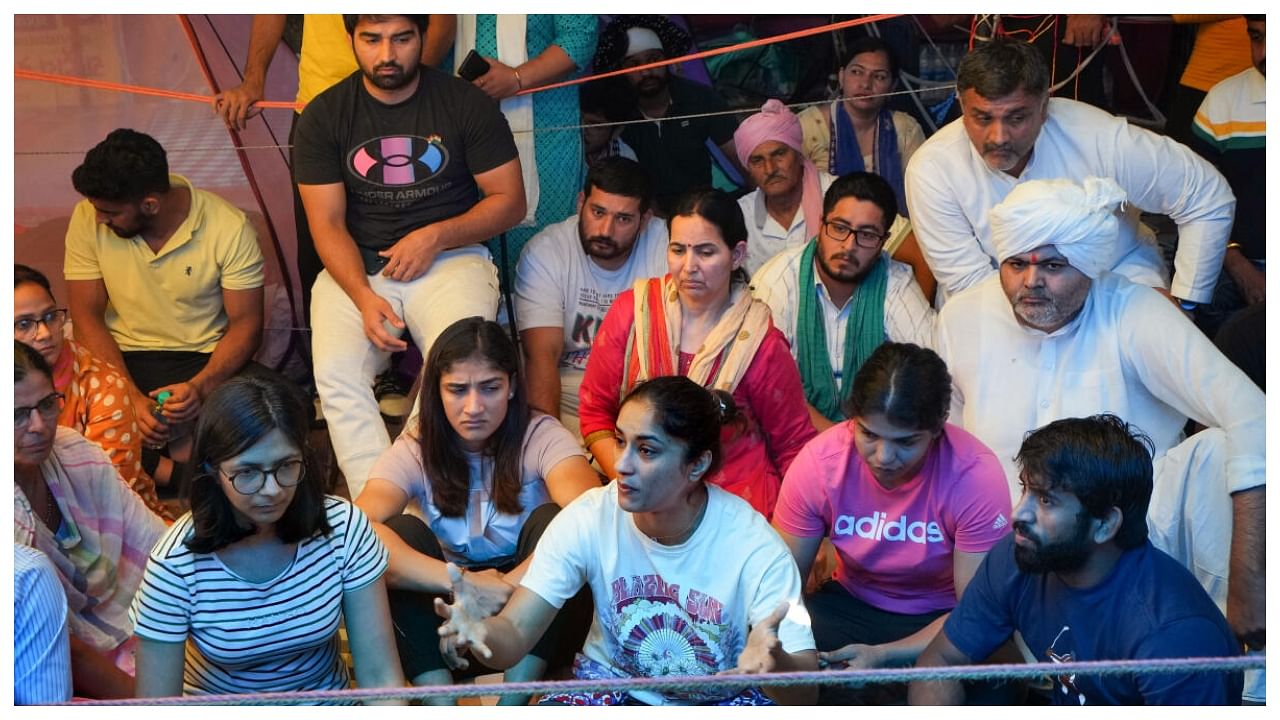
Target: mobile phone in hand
473 66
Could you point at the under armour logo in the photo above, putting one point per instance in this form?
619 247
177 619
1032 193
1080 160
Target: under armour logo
399 160
188 271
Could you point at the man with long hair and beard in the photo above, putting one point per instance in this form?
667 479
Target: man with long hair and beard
1080 580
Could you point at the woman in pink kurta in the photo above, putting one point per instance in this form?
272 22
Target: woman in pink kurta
699 322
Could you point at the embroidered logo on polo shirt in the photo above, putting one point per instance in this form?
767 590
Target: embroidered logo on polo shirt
399 160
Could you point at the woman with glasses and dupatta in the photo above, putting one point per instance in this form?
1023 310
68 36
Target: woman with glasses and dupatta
69 503
97 394
245 592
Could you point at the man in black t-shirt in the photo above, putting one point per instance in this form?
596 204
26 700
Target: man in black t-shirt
673 151
404 171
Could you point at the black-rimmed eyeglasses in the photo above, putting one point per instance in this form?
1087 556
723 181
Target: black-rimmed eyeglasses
48 406
250 480
25 328
864 237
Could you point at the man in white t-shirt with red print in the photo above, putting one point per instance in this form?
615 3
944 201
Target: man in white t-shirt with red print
570 273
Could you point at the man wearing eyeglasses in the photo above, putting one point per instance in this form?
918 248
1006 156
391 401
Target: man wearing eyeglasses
839 296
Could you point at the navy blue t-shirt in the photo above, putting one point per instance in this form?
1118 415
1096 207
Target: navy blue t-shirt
1149 606
405 165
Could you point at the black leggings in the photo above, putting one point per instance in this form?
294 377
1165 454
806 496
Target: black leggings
416 623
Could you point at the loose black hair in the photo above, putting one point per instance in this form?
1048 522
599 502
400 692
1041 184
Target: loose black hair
444 458
350 21
868 44
125 167
27 274
906 383
863 186
233 418
1002 67
1102 460
689 413
620 176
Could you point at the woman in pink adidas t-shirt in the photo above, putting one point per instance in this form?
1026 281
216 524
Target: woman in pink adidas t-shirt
910 504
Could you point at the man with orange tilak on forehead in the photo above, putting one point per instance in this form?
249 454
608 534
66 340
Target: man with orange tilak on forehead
1055 335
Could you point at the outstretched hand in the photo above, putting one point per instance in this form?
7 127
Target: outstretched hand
763 649
463 628
854 656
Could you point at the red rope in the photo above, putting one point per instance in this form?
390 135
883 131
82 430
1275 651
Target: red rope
280 104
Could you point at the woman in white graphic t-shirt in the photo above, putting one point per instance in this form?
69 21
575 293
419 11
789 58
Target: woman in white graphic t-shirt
687 578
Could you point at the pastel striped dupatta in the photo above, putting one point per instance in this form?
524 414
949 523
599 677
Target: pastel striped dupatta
653 347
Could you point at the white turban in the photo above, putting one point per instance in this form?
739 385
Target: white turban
640 39
1081 221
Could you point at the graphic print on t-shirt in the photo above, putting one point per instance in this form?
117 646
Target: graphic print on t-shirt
592 304
661 636
392 164
1065 683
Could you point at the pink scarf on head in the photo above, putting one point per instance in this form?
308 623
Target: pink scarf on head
775 121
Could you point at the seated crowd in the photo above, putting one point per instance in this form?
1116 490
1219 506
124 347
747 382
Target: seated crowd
906 401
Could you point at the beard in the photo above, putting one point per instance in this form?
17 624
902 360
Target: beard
603 247
855 275
1062 556
394 81
1050 312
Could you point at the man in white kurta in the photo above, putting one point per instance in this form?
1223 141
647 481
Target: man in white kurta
1128 351
957 176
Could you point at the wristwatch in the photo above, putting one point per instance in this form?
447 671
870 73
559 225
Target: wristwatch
1187 305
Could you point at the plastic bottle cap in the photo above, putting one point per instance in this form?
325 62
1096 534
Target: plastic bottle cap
160 399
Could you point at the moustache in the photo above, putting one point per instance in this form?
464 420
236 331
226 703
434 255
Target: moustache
393 65
1023 529
997 148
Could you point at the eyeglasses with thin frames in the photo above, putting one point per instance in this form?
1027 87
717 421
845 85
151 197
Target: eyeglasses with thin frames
25 328
864 237
250 480
48 406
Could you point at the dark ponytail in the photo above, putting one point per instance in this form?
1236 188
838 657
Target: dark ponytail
689 413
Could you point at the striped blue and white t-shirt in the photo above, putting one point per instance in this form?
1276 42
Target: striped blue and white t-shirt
41 648
247 637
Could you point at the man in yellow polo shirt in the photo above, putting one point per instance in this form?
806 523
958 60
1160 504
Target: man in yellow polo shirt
165 280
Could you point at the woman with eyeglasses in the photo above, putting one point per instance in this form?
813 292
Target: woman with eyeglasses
69 503
96 393
701 322
245 593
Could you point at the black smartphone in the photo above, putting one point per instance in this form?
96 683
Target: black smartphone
373 262
473 66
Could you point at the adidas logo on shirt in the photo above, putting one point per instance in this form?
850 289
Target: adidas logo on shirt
1000 522
877 526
